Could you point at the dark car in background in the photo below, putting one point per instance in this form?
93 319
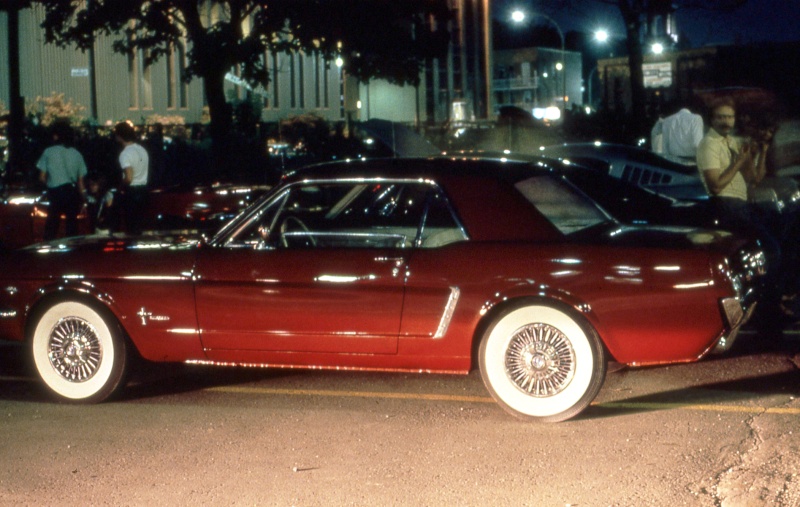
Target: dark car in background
625 201
670 176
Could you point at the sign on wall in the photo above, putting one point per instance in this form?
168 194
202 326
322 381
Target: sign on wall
657 75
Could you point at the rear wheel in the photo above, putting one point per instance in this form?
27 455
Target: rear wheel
79 355
540 363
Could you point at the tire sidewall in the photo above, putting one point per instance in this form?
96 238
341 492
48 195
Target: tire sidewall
576 395
109 373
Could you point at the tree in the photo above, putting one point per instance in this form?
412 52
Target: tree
384 39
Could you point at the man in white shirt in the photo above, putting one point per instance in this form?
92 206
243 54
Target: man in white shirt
134 162
679 134
62 169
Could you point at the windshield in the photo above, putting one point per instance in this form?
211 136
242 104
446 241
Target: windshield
564 206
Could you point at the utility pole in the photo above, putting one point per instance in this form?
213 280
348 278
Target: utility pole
17 103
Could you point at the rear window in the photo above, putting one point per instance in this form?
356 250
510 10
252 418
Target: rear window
565 207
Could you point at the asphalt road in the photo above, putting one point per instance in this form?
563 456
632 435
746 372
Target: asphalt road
721 432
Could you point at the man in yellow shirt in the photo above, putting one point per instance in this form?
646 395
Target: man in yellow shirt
727 167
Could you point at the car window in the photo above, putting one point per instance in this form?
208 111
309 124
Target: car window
353 214
563 205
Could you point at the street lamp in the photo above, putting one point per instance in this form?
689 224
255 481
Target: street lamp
600 35
518 16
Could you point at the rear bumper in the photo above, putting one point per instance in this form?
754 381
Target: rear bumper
735 316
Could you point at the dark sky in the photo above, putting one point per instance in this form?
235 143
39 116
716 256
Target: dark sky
757 21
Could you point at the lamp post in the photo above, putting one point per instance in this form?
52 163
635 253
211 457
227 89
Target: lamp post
601 35
518 16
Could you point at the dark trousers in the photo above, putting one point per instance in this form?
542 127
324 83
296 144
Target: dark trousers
134 207
64 200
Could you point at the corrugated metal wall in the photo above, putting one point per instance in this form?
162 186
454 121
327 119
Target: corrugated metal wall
46 69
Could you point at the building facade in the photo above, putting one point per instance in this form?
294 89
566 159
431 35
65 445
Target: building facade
679 77
537 78
113 87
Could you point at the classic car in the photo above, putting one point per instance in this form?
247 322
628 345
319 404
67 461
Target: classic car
415 265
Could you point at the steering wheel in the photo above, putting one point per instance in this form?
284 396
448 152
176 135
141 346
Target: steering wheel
292 222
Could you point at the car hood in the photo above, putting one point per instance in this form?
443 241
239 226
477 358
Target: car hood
106 243
103 257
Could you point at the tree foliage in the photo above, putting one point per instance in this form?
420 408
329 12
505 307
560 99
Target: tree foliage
385 39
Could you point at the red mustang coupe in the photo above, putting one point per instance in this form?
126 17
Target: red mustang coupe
423 265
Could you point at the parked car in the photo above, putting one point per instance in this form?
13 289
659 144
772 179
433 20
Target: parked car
670 176
416 265
22 217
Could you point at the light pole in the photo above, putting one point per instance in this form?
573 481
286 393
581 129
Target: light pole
601 36
518 16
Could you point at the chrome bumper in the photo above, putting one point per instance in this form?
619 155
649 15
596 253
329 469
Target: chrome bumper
735 316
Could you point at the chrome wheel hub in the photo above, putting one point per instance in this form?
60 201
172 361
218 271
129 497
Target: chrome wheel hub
540 360
74 349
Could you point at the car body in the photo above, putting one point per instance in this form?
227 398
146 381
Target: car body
416 265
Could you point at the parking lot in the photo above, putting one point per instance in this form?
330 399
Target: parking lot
719 432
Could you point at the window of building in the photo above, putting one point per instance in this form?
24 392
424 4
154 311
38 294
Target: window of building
301 81
275 82
292 82
133 80
177 88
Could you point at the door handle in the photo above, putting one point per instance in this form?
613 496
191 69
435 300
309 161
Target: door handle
397 261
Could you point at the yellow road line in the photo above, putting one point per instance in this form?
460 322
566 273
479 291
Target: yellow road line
486 399
351 394
699 407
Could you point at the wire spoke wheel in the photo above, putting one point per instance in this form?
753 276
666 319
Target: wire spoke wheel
79 354
75 350
540 360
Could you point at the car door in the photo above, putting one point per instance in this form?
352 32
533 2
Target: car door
320 269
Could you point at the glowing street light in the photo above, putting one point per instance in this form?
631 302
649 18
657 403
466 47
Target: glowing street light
601 35
657 48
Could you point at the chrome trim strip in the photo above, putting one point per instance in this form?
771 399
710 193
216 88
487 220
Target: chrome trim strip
8 314
447 315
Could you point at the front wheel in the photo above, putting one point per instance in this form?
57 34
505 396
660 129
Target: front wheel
78 354
539 362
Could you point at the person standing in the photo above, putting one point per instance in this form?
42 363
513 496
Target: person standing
62 169
135 164
682 132
728 168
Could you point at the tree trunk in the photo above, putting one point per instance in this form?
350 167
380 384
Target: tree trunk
221 119
631 16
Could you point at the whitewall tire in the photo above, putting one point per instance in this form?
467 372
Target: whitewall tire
538 362
78 354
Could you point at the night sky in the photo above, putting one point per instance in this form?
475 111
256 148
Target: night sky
757 21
